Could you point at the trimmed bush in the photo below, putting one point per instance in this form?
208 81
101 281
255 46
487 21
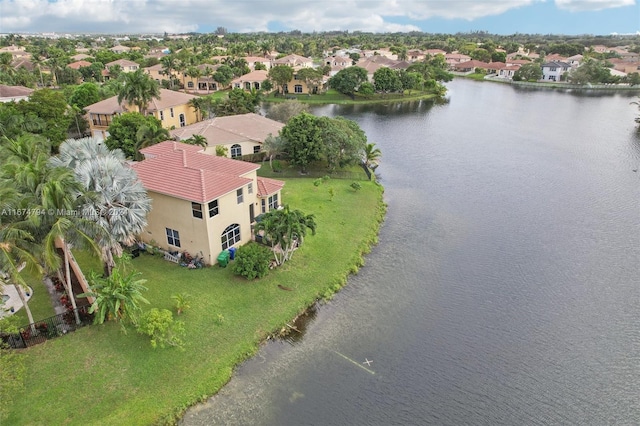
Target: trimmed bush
252 261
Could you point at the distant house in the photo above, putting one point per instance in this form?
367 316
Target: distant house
78 64
507 71
120 49
294 61
172 109
250 81
14 93
241 134
253 60
553 71
201 203
456 58
205 81
574 60
80 57
125 64
469 66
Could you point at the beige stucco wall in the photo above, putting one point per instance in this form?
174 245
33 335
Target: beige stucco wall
204 234
168 122
246 147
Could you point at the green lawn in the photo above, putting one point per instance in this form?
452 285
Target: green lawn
99 375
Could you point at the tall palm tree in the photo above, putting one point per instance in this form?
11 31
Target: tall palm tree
197 140
120 203
370 159
169 64
147 135
272 146
139 89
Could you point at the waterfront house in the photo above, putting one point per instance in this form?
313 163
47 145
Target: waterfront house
201 203
250 81
171 108
241 134
553 71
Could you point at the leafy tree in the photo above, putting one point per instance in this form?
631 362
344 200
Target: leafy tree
386 80
223 75
591 71
139 89
348 80
366 89
117 297
252 261
343 141
84 95
311 77
51 107
480 54
286 229
123 131
528 72
411 80
498 57
160 326
280 75
303 140
283 111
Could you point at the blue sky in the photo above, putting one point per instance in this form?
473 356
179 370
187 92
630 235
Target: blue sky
600 17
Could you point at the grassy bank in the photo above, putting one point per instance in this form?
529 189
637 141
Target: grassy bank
334 97
98 375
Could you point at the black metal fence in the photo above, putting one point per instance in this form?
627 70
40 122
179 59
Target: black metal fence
49 328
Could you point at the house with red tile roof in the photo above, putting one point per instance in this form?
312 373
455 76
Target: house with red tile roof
171 108
241 134
78 64
250 81
201 203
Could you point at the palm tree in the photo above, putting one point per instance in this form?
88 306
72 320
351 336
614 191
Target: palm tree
147 135
120 204
272 146
370 158
286 229
169 64
139 89
15 254
197 140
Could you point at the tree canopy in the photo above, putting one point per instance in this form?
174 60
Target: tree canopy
348 80
123 131
302 140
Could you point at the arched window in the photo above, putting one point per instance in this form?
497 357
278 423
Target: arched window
236 151
230 236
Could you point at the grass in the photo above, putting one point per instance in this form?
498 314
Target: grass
333 97
100 375
40 303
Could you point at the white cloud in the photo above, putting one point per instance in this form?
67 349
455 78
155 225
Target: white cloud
592 5
138 16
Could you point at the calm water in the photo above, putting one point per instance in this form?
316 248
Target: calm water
505 288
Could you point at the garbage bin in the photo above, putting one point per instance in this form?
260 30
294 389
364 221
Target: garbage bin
232 253
223 259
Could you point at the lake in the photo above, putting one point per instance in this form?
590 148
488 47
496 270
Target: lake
505 288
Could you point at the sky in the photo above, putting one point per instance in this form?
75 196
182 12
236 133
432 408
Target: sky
569 17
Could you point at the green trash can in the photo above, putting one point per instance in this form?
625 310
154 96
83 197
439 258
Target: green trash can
223 259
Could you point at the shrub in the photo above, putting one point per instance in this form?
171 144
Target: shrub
159 325
252 261
356 186
182 302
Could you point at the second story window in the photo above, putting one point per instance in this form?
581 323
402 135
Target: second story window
250 188
239 196
213 208
171 112
161 115
196 209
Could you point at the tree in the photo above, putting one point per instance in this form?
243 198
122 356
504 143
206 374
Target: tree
311 77
366 89
139 89
400 52
252 261
85 95
386 80
117 297
498 57
272 146
286 229
197 140
283 111
223 75
51 107
348 80
160 326
370 158
411 80
123 131
149 134
528 72
238 101
280 75
303 140
591 71
169 64
343 141
120 204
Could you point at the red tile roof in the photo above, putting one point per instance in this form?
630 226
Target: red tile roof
184 171
268 186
